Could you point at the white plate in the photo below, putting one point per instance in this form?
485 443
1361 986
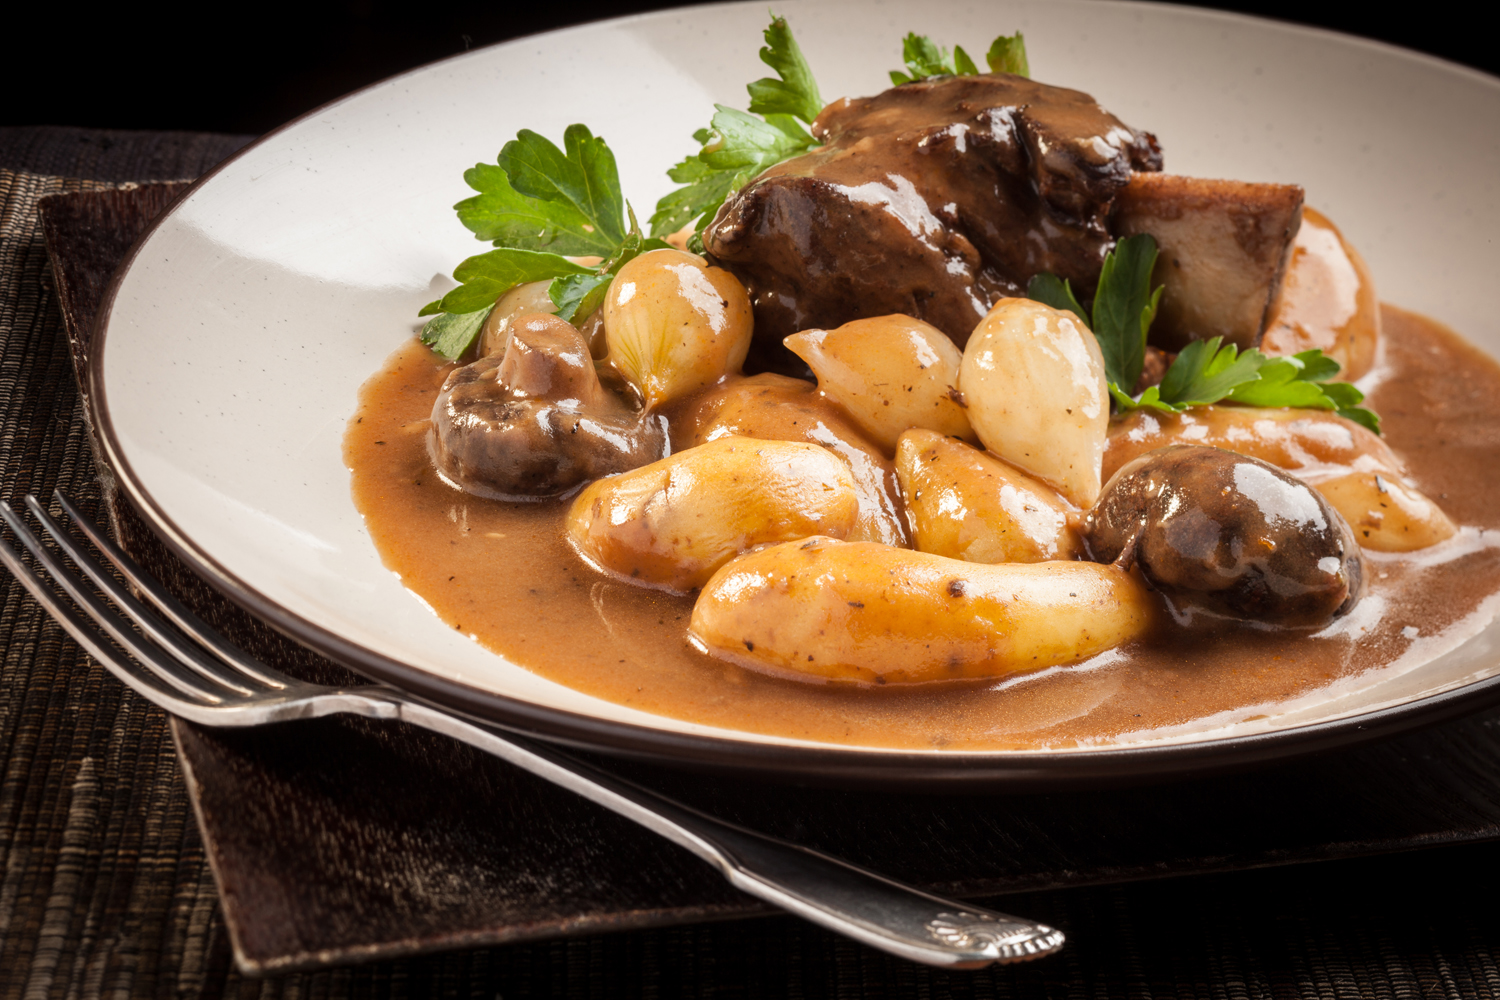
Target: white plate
247 319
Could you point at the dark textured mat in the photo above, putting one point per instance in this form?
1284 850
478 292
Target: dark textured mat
112 156
105 886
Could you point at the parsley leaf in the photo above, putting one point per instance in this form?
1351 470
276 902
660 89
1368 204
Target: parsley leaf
484 279
536 203
1007 54
578 295
582 181
505 217
796 93
925 59
1282 382
490 275
1302 380
1206 371
450 334
1049 289
737 145
1124 307
539 197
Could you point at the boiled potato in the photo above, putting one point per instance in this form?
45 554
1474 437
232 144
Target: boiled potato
777 408
672 523
1303 442
1386 514
1327 300
674 325
1033 379
863 612
889 373
966 504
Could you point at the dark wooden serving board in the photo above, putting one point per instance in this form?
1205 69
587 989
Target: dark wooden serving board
342 839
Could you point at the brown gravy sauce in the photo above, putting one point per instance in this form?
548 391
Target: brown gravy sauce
503 574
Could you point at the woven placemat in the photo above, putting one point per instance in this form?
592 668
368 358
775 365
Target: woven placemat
105 889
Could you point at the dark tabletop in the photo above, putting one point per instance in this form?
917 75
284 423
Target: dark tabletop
105 885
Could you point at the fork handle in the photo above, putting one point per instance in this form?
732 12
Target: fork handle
832 893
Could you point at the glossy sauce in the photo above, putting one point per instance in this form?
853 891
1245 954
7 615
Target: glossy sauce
503 574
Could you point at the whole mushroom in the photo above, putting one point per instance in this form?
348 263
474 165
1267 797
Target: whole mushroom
1229 534
536 421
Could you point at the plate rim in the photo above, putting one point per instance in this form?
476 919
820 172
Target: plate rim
937 770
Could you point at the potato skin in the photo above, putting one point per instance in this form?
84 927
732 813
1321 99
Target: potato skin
1354 470
1327 300
778 408
675 325
889 373
1303 442
672 523
1033 380
1385 514
967 504
868 613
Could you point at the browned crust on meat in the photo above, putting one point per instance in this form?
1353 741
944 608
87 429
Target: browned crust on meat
1224 250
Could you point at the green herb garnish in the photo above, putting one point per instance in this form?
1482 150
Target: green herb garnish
1206 371
925 59
1007 54
796 93
1302 380
537 203
738 145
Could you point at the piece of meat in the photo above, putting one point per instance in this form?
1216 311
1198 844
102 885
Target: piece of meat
932 199
1224 247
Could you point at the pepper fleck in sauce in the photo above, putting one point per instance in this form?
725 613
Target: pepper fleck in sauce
504 574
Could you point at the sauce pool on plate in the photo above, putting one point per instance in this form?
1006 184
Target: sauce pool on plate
504 574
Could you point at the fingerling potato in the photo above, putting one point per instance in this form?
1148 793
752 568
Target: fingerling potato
672 523
967 504
865 612
1386 514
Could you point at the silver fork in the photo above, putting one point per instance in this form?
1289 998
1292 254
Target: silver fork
178 662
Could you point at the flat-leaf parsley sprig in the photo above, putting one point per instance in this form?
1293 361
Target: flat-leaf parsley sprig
1206 371
738 145
539 205
925 59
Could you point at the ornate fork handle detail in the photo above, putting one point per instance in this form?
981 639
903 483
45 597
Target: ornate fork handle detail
206 680
867 907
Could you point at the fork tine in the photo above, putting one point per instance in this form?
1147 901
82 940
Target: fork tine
169 605
144 682
160 632
147 655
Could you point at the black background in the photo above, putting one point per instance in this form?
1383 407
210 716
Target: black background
246 68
